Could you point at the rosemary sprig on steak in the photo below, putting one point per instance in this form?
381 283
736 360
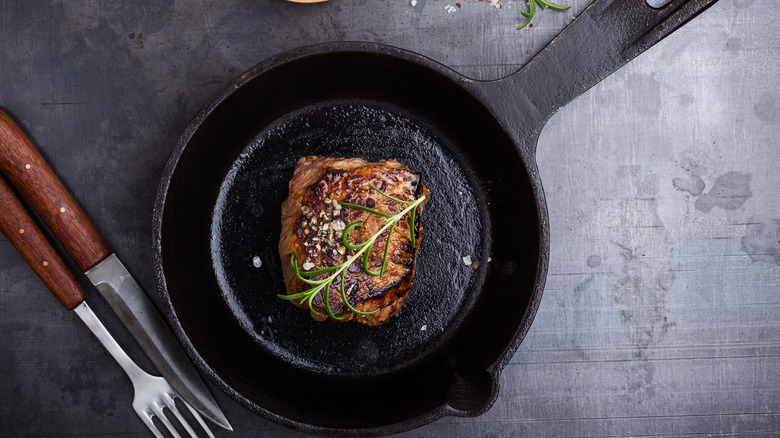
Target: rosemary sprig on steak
360 249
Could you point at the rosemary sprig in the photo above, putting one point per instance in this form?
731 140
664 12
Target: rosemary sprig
532 10
363 249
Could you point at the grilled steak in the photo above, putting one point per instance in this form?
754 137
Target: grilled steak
313 222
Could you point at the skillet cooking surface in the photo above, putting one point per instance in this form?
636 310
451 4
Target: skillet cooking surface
219 207
247 224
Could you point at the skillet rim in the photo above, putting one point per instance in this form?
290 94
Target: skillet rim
471 86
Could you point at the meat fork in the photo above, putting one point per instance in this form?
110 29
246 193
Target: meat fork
151 394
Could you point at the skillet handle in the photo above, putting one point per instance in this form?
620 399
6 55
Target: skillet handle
23 233
26 169
607 35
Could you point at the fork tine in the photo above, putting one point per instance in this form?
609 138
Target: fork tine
169 401
147 419
157 408
198 418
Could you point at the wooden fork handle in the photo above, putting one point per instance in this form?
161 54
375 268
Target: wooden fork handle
20 229
26 169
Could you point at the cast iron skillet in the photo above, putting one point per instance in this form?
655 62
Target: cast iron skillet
218 208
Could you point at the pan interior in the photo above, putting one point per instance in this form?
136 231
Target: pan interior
246 228
218 216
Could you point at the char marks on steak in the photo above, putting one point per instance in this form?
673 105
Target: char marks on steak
313 222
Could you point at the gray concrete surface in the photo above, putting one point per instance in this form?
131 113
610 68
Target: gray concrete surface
660 315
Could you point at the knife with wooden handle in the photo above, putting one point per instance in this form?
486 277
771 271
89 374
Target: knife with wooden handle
29 173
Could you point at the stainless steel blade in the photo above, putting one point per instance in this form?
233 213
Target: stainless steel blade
140 316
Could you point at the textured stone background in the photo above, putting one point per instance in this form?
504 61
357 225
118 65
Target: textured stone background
660 315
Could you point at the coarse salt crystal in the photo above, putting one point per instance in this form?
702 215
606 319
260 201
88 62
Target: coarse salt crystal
424 327
256 262
467 260
307 266
414 3
450 9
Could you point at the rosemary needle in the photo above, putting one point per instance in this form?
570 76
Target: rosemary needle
532 10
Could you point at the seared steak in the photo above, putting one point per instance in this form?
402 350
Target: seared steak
313 222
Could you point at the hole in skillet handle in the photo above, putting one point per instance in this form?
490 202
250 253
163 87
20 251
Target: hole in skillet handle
657 4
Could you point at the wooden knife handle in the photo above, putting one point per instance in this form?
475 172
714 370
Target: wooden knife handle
27 238
26 169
